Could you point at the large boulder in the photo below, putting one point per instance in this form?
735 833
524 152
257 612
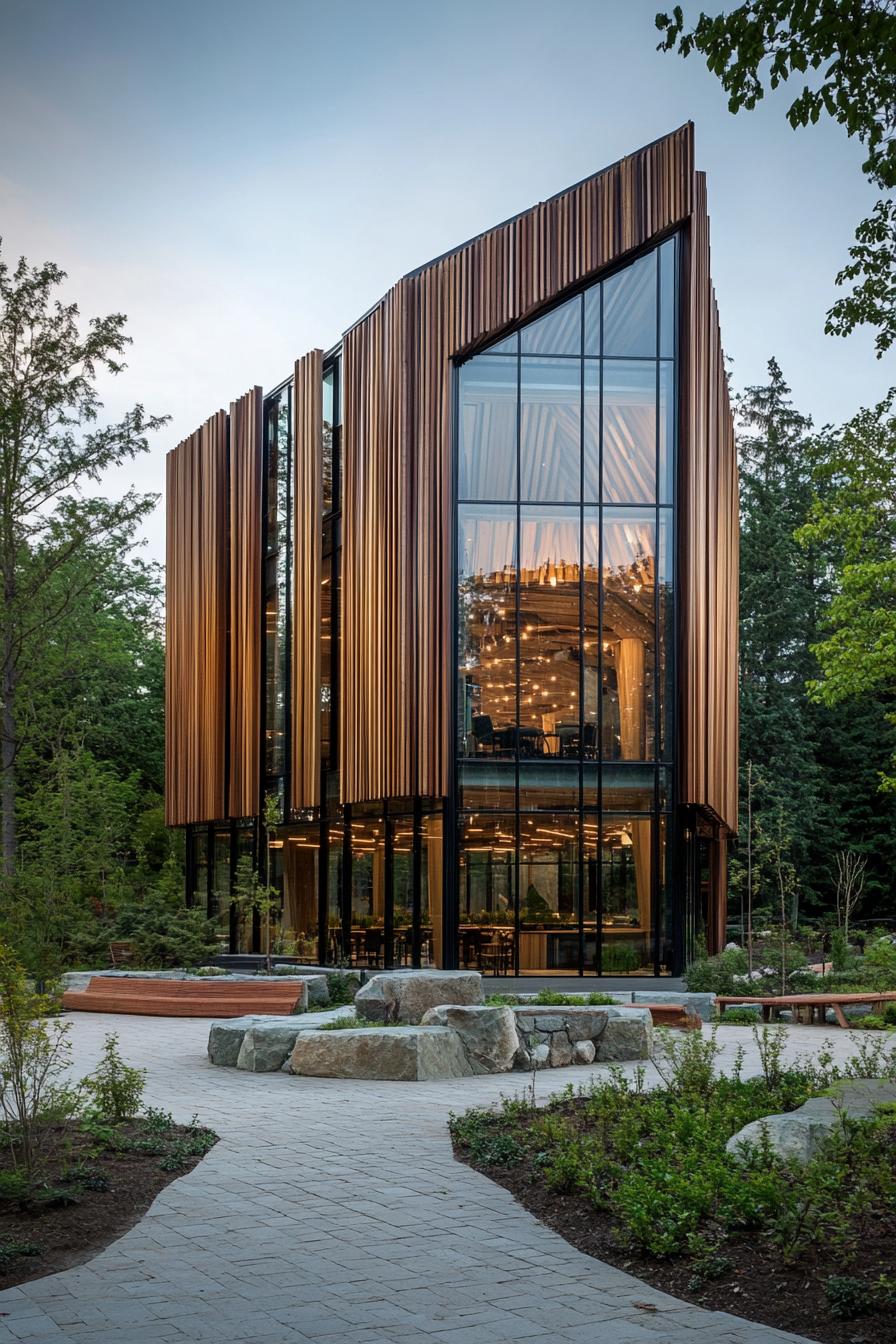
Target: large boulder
701 1004
796 1136
225 1039
406 1054
488 1034
628 1035
266 1045
404 996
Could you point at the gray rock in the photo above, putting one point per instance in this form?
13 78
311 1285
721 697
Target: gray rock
265 1047
583 1052
561 1052
225 1039
628 1035
404 996
405 1054
540 1057
796 1136
703 1004
488 1034
318 991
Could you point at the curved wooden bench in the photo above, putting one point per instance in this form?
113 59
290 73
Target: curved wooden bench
808 1008
187 998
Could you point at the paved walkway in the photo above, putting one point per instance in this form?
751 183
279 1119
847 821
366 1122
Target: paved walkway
333 1212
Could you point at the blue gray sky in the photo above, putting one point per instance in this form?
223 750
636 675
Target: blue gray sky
244 180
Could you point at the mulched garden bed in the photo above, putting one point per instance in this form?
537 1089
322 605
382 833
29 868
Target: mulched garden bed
757 1285
94 1189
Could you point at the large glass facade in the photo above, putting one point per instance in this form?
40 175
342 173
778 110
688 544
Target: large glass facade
565 670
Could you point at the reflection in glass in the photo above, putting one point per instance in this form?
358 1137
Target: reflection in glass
628 637
550 417
559 332
431 885
549 892
368 890
629 432
667 299
627 929
402 890
488 782
628 788
488 419
666 431
629 302
327 441
486 888
666 643
486 630
549 631
301 871
336 951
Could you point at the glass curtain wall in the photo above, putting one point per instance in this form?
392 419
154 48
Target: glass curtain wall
565 516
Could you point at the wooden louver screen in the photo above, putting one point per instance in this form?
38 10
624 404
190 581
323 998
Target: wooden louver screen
196 625
246 503
709 532
397 663
306 651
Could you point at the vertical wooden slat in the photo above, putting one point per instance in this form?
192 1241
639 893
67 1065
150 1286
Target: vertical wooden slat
196 626
246 504
397 368
709 546
307 570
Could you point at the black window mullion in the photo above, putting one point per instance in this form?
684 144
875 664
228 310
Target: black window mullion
598 914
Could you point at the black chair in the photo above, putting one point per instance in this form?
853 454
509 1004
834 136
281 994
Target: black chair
484 732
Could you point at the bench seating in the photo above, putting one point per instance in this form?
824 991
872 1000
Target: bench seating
808 1008
187 998
673 1015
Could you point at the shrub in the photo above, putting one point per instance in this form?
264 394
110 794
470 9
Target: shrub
879 964
742 1016
116 1089
715 975
551 997
342 987
840 957
34 1055
848 1297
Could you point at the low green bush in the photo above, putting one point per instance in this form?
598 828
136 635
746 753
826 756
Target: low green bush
715 975
657 1161
739 1016
115 1089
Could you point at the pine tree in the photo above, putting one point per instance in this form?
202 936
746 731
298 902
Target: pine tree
779 600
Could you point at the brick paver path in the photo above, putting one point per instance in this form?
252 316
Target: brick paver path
333 1212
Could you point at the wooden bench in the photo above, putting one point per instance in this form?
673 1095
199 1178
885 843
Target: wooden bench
672 1015
808 1008
187 998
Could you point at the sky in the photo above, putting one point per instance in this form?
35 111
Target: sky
244 180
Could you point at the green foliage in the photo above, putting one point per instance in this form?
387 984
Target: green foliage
553 997
14 1250
744 1016
840 956
619 959
657 1161
34 1056
851 52
716 975
342 988
167 932
115 1088
848 1298
854 517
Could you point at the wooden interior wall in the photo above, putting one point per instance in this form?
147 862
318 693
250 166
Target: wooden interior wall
709 535
307 512
196 626
246 504
397 664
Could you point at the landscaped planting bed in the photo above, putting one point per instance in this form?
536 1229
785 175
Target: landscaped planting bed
642 1178
99 1179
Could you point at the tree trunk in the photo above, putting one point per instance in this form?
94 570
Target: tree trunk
8 765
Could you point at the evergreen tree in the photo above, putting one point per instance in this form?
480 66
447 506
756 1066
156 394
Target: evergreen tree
778 620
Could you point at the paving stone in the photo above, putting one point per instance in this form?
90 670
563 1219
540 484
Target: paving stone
338 1202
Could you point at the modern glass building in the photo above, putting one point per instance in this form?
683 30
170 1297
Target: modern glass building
452 612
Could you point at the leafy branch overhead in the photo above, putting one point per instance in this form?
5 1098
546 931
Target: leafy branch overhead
847 50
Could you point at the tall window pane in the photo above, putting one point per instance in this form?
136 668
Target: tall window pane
550 416
629 432
488 412
626 863
667 299
559 332
628 637
486 631
487 892
549 892
629 308
549 632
